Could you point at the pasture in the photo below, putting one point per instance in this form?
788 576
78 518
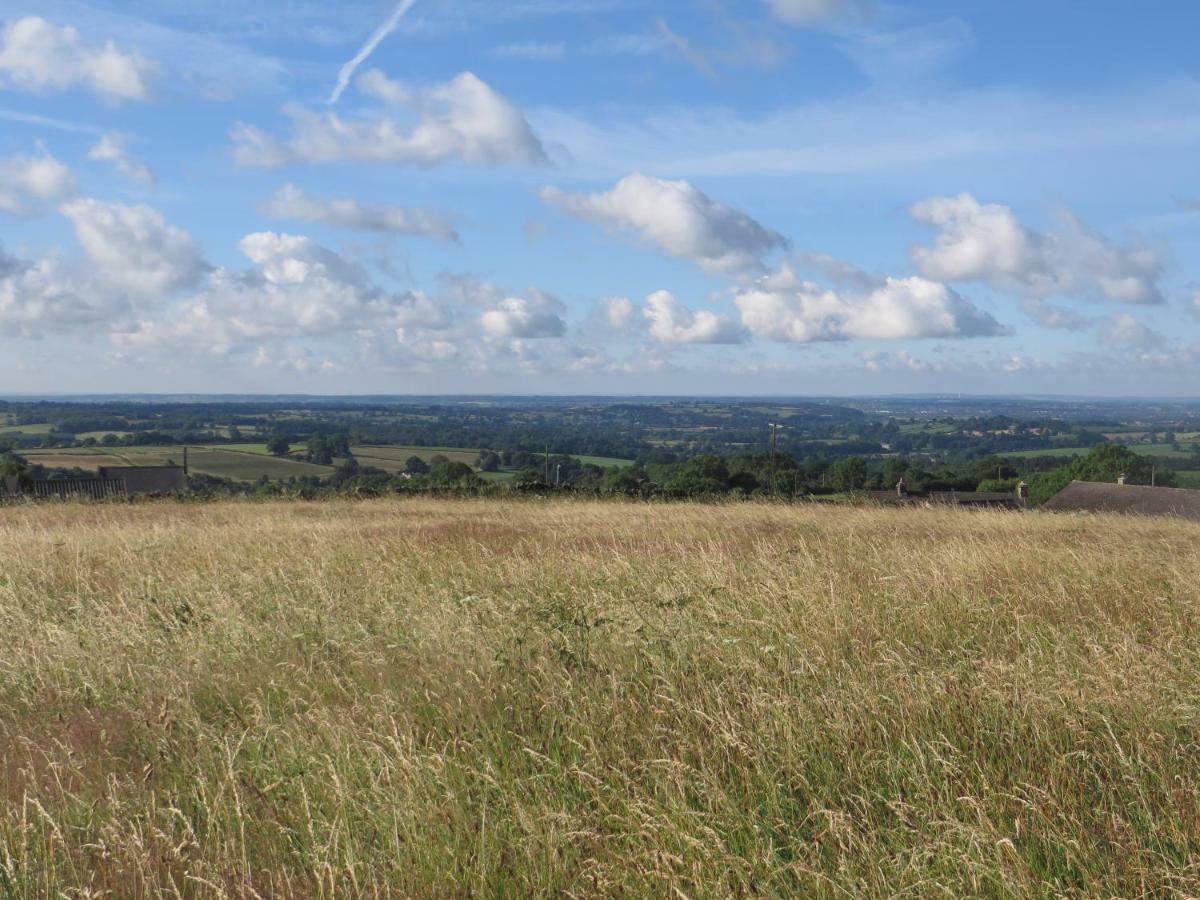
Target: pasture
237 465
431 698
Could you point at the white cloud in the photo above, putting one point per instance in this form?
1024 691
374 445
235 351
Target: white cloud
290 202
816 13
27 182
39 56
897 309
909 54
42 297
1123 330
536 316
387 27
617 311
461 119
111 149
297 288
1049 316
673 323
530 50
677 217
986 242
685 49
133 248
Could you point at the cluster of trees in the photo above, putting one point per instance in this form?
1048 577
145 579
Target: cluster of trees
1105 462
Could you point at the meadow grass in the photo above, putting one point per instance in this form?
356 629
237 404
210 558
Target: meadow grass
432 698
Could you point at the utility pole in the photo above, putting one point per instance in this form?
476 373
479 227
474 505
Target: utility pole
546 471
557 474
775 426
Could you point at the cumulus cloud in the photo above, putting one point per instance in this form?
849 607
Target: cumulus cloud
111 149
28 182
537 316
671 322
1050 316
461 119
134 248
290 202
1123 330
39 56
42 297
986 242
617 312
897 309
296 288
679 219
816 13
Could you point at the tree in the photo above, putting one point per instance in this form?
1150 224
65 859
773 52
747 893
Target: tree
453 474
414 465
343 473
699 475
277 445
319 450
339 445
1105 462
489 461
848 474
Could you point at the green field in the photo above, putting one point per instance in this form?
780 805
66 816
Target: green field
40 428
1047 451
100 435
604 462
1163 450
1188 480
233 464
250 462
256 449
398 454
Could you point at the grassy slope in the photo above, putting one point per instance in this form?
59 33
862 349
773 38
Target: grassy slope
439 698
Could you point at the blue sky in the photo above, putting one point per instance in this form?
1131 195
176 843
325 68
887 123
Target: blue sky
600 196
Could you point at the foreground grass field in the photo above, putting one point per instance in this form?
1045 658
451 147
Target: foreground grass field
439 698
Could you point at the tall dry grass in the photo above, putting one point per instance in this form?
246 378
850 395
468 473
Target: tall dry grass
436 698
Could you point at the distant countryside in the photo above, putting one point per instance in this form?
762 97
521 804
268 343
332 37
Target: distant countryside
821 448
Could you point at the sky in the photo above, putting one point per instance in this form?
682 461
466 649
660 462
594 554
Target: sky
798 197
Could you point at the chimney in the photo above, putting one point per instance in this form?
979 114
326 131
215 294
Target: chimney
1022 491
1121 478
901 488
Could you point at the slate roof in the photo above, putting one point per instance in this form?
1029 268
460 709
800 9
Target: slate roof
1130 499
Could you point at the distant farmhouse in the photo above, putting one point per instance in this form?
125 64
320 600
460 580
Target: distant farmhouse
901 496
110 482
1130 499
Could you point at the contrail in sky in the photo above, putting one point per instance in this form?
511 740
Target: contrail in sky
368 48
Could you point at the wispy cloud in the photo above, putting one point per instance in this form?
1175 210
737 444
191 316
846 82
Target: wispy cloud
530 50
347 71
9 115
685 48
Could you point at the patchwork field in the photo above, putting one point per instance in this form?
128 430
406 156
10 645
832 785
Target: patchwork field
435 698
235 464
1164 450
41 428
392 457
